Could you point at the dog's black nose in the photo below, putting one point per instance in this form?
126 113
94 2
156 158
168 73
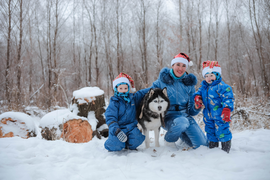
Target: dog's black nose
159 108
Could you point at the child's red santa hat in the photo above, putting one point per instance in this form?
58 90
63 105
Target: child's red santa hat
210 66
182 58
123 77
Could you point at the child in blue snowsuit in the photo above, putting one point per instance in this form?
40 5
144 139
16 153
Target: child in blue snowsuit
121 115
218 100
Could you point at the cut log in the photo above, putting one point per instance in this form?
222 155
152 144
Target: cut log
51 133
67 125
77 131
93 101
10 127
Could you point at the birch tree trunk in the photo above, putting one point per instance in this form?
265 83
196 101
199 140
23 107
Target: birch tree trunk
7 83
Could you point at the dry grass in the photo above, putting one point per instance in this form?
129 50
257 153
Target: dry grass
247 114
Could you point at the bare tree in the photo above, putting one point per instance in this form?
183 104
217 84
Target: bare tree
159 48
228 39
259 48
7 84
209 30
19 71
200 35
87 7
180 23
143 10
216 11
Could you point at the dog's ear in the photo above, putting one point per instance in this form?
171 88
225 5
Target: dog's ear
141 114
164 90
151 92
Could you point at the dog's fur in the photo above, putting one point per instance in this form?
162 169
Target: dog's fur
151 113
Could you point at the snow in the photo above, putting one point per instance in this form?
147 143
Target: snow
38 159
54 118
16 127
92 120
88 93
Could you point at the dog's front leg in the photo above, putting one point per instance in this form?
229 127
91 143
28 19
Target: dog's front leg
147 138
157 130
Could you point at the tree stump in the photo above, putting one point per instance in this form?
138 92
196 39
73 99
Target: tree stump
87 100
77 131
16 124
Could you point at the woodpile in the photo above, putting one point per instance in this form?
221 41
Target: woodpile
18 129
79 124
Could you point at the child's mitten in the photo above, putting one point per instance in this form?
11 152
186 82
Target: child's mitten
226 114
198 101
121 135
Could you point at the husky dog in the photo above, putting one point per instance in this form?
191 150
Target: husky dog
151 113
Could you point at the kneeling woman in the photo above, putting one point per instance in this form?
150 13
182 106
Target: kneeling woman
179 122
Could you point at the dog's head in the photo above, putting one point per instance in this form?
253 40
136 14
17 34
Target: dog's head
158 100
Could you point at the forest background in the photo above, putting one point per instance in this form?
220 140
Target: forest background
49 48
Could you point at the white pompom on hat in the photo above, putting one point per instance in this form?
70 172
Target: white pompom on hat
123 77
182 58
210 66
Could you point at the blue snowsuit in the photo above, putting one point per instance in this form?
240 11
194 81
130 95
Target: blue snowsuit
179 122
215 97
121 114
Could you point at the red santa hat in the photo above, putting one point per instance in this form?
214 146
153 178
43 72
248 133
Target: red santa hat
182 58
210 66
123 77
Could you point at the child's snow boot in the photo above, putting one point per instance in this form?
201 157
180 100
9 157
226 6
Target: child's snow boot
213 144
226 146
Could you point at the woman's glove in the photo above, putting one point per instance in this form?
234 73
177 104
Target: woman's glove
198 101
226 115
121 135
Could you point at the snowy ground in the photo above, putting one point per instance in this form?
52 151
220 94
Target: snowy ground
38 159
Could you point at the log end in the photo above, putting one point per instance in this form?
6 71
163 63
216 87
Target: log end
77 131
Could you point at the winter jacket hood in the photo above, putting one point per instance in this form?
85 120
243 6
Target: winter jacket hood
166 77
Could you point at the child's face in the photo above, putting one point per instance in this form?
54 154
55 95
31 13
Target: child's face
209 78
122 88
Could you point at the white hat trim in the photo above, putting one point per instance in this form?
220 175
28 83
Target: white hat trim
120 80
214 69
181 60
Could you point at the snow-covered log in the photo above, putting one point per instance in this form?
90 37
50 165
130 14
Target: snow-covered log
67 125
16 124
89 102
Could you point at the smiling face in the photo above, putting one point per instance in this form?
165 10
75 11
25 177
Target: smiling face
179 69
122 88
209 78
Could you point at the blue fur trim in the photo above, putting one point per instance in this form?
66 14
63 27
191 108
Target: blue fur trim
190 80
166 77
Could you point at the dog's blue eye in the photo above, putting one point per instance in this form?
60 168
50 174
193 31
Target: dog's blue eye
161 101
155 101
